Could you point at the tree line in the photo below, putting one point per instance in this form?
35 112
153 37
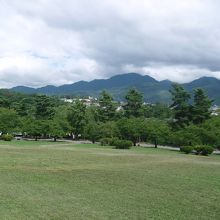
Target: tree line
187 121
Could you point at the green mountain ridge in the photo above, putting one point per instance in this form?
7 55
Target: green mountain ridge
152 90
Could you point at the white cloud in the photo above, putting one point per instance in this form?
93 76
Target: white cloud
175 73
55 41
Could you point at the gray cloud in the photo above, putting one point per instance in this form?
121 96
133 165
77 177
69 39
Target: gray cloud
56 42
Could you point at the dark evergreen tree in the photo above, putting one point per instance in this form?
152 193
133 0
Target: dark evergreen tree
25 107
201 108
180 106
107 108
44 107
134 103
4 103
157 110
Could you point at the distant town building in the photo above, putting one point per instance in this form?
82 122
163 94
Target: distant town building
215 110
87 101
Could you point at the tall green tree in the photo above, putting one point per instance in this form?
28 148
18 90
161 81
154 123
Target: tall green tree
9 120
180 106
130 129
201 108
44 107
56 130
76 117
4 103
211 135
107 108
92 131
26 107
155 131
158 110
134 102
36 127
92 113
108 129
59 125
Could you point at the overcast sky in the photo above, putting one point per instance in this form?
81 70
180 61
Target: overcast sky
63 41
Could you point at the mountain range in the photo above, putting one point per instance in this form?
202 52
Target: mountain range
152 90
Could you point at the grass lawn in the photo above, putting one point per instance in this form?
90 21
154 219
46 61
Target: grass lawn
46 180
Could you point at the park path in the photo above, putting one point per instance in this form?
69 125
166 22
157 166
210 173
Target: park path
138 145
169 148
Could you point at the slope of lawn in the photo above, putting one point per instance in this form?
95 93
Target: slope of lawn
46 180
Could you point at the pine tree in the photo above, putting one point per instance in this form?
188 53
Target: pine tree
107 108
180 106
201 108
134 103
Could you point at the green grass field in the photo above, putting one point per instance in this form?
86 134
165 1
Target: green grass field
46 180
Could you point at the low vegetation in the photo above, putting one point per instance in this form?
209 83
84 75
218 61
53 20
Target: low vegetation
187 149
203 150
7 137
198 149
123 144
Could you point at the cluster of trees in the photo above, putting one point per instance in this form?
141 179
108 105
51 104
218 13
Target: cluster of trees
187 121
186 113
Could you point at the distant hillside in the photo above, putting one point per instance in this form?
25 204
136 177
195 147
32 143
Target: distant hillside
210 84
153 90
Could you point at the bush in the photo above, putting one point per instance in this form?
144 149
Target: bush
184 137
104 141
186 149
7 137
203 150
108 141
113 141
217 145
123 144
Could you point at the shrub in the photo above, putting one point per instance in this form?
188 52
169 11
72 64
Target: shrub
108 141
123 144
203 150
186 149
217 145
7 137
104 141
113 141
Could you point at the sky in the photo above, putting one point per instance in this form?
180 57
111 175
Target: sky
55 42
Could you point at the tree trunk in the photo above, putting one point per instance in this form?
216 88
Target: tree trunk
72 136
55 139
76 136
155 143
35 138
